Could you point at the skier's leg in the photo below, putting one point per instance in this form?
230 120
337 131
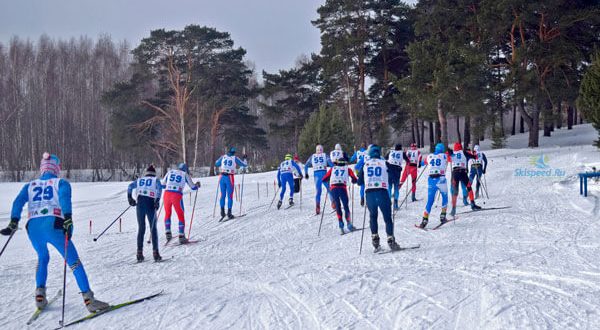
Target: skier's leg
414 176
386 209
39 241
318 176
371 200
230 190
431 192
57 239
404 175
336 198
178 204
141 211
154 231
282 193
223 185
168 206
345 202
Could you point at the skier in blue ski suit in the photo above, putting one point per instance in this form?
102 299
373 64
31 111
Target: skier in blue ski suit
359 158
374 176
319 162
285 176
437 162
50 222
227 165
148 189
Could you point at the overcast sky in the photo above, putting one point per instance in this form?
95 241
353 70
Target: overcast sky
273 32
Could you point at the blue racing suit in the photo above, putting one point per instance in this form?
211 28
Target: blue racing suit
318 176
227 180
285 176
48 229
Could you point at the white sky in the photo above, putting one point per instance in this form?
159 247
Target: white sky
273 32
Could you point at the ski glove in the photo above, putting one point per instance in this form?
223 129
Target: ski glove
306 176
68 226
198 184
354 181
11 228
131 200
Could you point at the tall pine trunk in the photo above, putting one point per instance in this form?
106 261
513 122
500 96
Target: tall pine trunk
418 131
459 138
431 136
467 132
443 123
569 116
514 120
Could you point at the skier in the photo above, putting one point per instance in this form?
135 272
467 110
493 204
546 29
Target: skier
50 222
227 165
394 164
338 177
437 162
374 175
319 162
459 174
148 190
336 153
285 177
478 168
297 176
413 159
359 158
174 182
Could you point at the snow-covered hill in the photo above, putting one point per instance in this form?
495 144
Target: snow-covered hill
535 265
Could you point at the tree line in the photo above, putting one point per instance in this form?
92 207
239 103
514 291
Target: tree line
385 69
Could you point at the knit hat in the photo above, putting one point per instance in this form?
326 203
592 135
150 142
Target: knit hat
150 171
50 164
288 157
182 167
457 146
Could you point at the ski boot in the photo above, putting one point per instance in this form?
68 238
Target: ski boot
140 256
396 204
169 235
318 209
182 239
341 225
443 219
222 213
40 298
392 244
291 201
279 204
413 197
424 222
349 225
156 255
230 215
375 239
453 211
362 201
474 206
465 201
92 304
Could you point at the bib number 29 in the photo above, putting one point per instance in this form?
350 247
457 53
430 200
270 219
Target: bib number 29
43 194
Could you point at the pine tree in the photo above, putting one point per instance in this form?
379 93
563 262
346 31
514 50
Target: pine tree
589 95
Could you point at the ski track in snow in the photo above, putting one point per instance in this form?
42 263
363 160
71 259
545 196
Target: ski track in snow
535 265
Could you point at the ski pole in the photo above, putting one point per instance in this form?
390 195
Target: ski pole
62 320
419 177
192 219
156 217
242 192
274 196
112 223
322 214
485 186
362 235
8 240
216 196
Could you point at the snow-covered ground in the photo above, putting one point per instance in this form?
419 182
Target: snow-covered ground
535 265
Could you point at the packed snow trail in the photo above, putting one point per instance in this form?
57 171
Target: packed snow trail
535 265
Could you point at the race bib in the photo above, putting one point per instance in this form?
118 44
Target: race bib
175 180
228 164
146 186
413 156
43 199
339 175
375 174
459 159
395 157
285 167
437 164
319 162
335 155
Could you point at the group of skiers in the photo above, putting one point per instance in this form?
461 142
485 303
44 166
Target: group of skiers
380 179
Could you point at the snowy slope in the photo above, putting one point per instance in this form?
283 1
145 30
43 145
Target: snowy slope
533 266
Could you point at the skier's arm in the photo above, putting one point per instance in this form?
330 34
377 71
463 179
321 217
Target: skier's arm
329 162
132 186
361 177
327 175
307 164
188 180
158 191
240 162
163 182
485 162
351 173
20 201
279 177
353 158
218 162
64 197
297 168
405 156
